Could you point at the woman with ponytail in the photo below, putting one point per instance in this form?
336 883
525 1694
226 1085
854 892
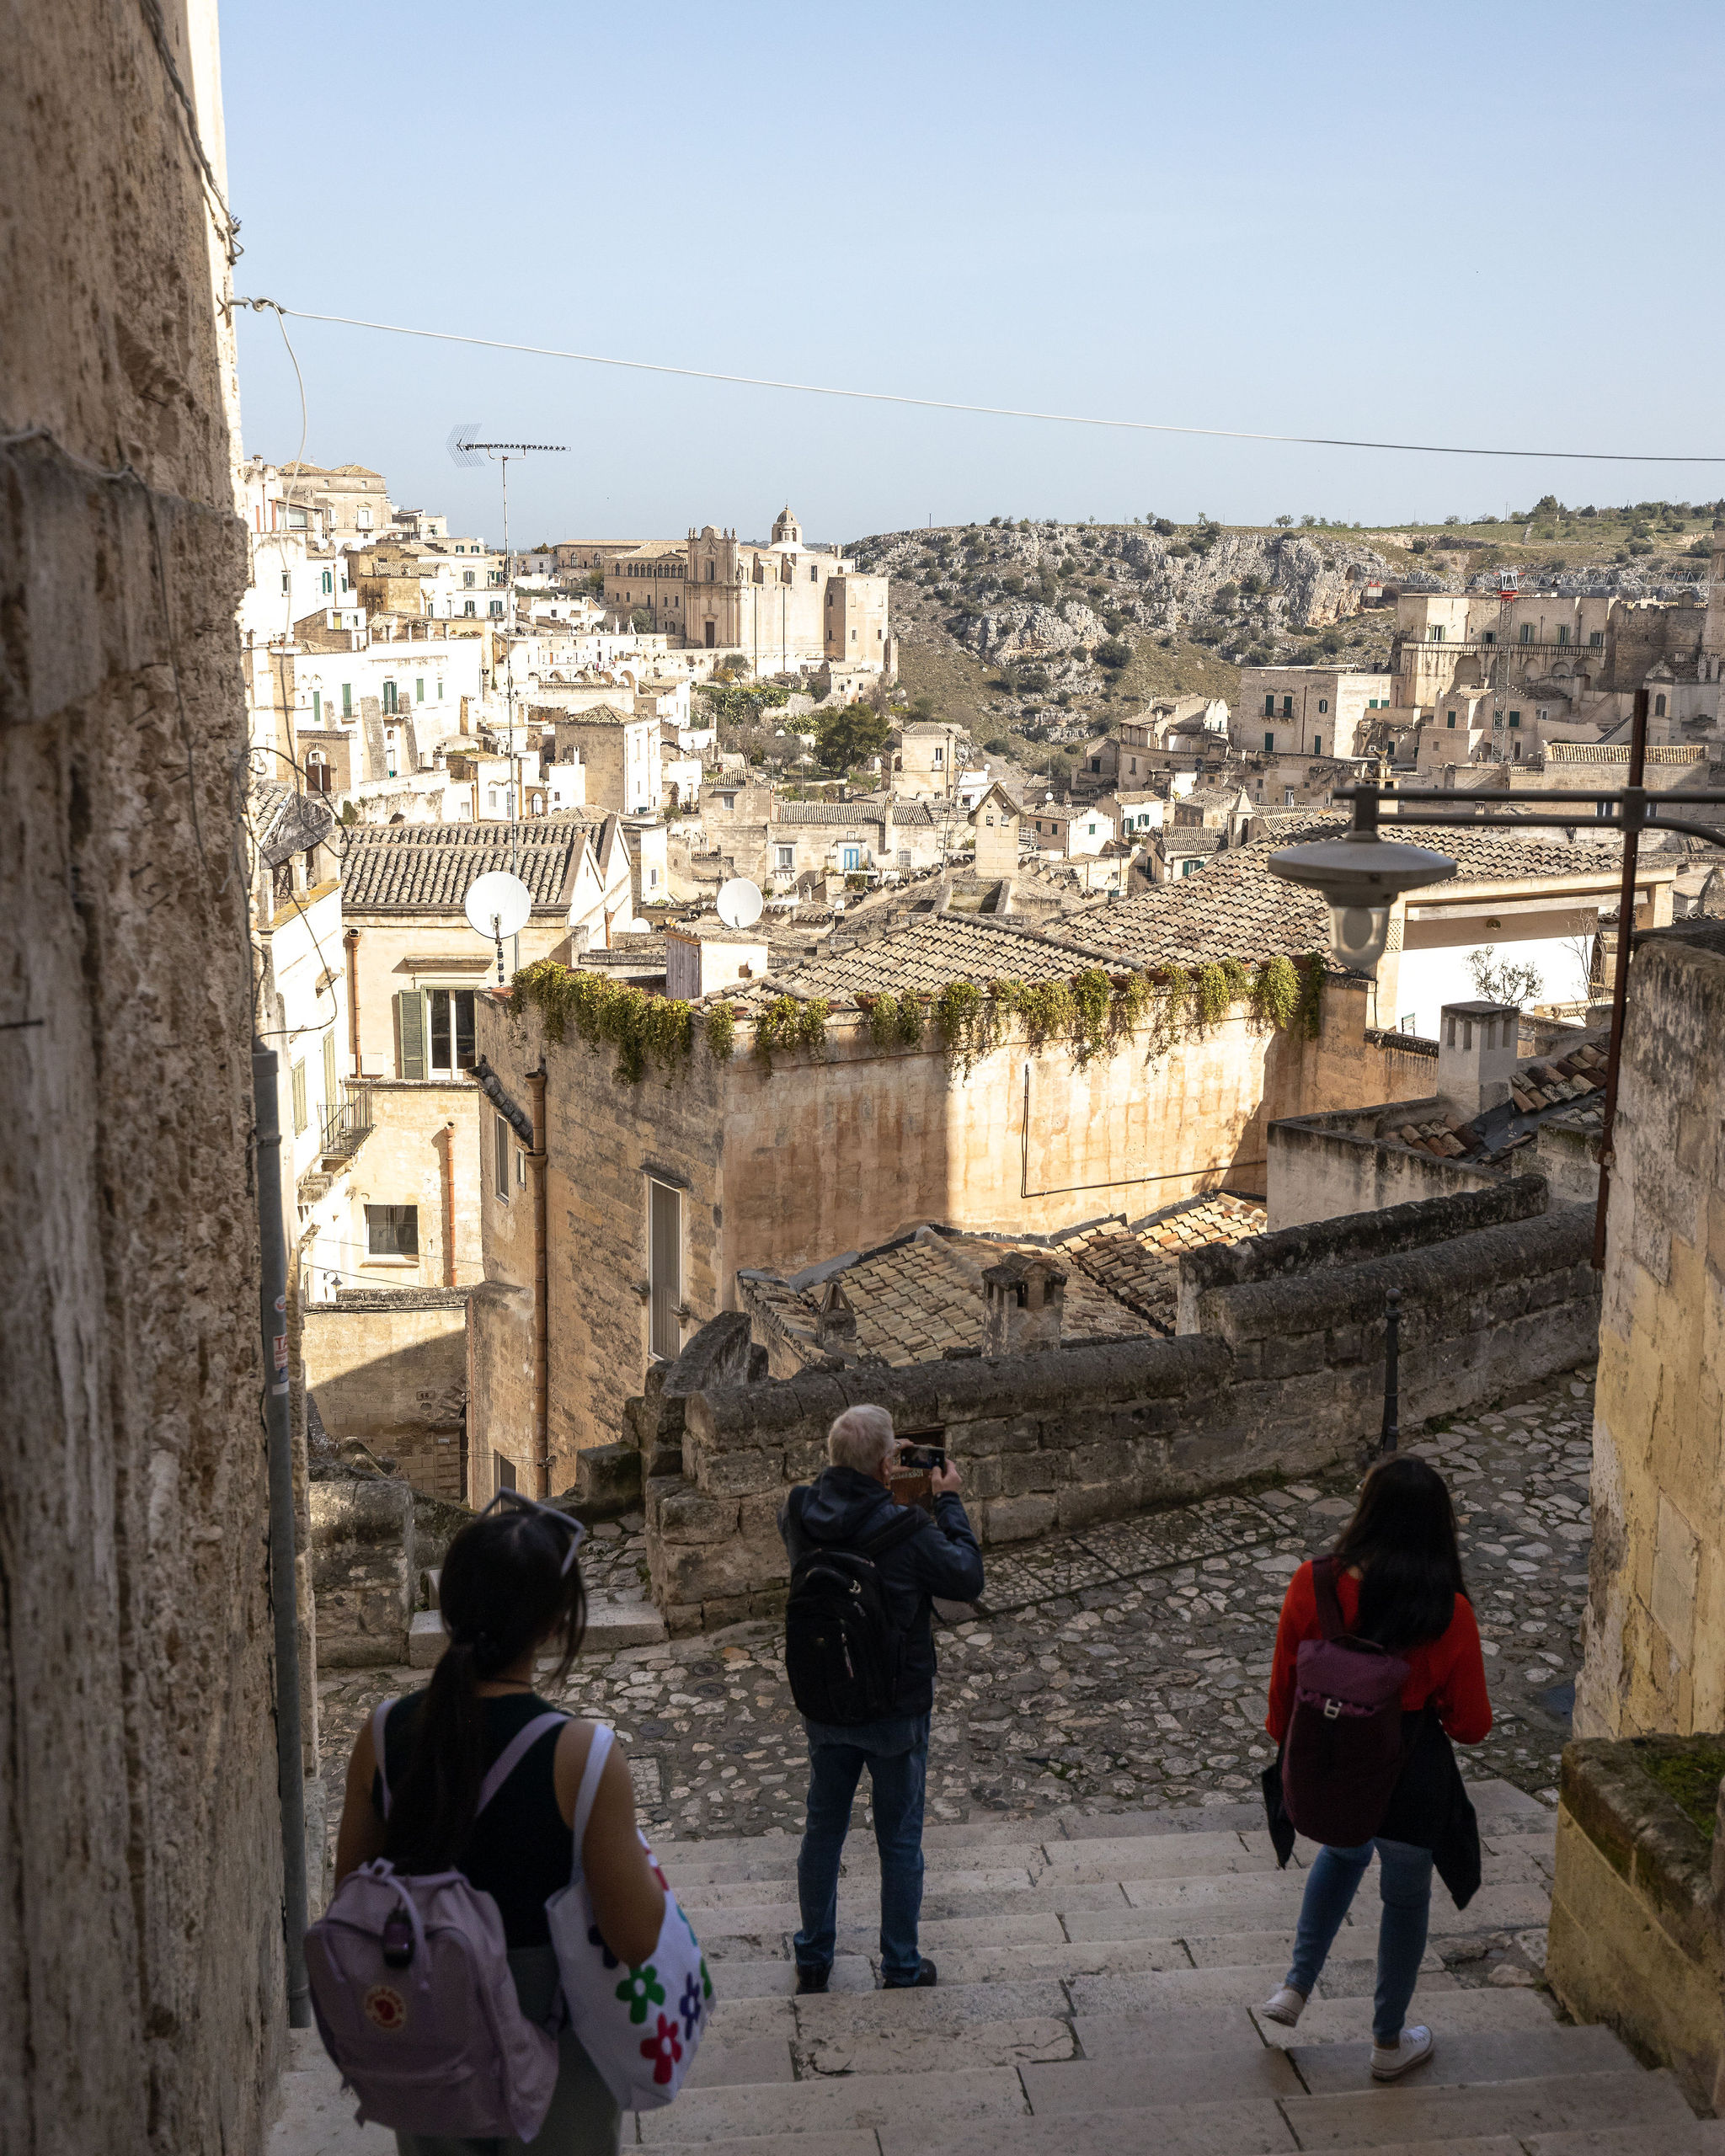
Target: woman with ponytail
510 1592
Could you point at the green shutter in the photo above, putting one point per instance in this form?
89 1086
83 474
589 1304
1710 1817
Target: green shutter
410 1032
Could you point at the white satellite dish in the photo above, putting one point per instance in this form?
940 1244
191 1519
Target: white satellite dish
498 905
740 903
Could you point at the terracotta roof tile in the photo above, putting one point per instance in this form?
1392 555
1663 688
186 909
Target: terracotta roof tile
399 867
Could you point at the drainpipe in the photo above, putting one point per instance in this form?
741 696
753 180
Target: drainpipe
446 1158
350 943
541 1344
289 1769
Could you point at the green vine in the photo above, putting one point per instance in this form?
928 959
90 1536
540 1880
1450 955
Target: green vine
643 1029
894 1021
786 1024
1311 997
1275 994
721 1029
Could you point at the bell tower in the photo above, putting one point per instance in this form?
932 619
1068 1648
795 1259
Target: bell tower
786 530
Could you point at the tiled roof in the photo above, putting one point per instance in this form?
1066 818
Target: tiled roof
1552 1081
829 812
286 822
429 866
1138 1268
1490 856
597 715
928 952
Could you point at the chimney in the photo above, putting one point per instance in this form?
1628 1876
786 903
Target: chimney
1023 1298
835 1329
1477 1055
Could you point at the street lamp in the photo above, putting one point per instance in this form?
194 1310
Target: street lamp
1362 874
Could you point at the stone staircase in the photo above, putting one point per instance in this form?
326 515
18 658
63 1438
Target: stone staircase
1099 1975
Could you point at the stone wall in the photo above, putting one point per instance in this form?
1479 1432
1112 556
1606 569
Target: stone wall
1655 1655
390 1368
844 1150
141 1967
1324 1165
1280 1374
1635 1934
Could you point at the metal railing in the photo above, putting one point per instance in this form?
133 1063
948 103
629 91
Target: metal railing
347 1124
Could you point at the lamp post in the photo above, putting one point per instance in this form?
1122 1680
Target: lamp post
1363 874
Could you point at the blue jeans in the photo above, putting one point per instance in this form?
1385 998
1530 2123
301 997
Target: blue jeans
896 1755
1405 1882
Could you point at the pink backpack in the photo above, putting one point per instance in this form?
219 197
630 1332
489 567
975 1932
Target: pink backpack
414 2001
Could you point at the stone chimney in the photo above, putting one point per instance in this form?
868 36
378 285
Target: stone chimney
1023 1298
1477 1055
835 1329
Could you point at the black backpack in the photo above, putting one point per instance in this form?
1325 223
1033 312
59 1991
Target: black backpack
842 1649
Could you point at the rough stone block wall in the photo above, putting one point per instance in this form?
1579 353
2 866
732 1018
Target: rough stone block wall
139 1833
1283 1375
390 1368
363 1570
1655 1658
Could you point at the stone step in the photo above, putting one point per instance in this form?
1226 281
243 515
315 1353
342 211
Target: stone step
1465 2057
1699 2137
931 2105
892 2049
766 1905
1456 2012
1127 2080
837 2017
724 2061
1229 2127
1372 2117
1244 1985
618 1620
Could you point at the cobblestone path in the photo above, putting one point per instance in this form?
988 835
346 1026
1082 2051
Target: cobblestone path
1121 1668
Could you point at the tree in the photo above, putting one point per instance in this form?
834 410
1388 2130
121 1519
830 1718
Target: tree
850 735
1114 652
998 745
1283 522
1516 981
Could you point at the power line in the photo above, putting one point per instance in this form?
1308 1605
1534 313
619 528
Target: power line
984 411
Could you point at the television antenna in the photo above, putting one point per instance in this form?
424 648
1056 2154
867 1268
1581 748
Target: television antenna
467 453
498 905
741 903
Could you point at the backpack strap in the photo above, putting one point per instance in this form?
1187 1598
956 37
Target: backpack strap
1330 1621
512 1755
909 1520
380 1715
598 1751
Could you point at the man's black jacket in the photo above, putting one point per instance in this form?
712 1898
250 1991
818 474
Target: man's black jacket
841 1508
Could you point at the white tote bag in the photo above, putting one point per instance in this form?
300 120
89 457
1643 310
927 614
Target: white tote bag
640 2026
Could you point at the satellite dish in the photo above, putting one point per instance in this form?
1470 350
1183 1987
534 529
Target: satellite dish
497 904
740 903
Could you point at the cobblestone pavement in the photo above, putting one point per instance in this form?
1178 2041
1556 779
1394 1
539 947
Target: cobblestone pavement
1124 1667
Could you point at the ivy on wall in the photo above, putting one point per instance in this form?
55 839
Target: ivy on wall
1095 1011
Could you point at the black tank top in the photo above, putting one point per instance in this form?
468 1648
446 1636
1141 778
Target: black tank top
520 1851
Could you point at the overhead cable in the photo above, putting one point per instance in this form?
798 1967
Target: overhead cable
982 411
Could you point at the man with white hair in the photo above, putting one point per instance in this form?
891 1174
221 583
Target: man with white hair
859 1649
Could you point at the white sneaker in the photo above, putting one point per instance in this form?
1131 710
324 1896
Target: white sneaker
1390 2062
1285 2004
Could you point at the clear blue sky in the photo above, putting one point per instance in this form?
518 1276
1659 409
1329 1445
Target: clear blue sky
1466 223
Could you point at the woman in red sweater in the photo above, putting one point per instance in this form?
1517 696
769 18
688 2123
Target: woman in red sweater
1397 1571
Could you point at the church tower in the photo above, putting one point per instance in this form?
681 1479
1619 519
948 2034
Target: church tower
786 530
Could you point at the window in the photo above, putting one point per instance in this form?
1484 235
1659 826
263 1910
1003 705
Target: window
1317 744
1323 703
451 1029
1189 867
1450 720
1287 707
939 754
389 700
287 584
664 1270
1596 640
1562 632
347 699
851 859
419 689
1524 634
1269 743
1515 718
496 606
391 1231
520 1169
317 707
467 578
1659 707
709 572
468 607
301 1114
328 582
499 1148
440 692
1435 633
329 1086
1515 751
1096 763
1490 637
503 1469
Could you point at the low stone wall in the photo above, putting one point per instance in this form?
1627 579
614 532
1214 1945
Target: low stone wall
389 1366
373 1538
1319 1167
1277 1375
1635 1937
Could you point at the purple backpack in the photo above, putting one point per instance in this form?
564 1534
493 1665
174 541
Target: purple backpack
415 2004
1343 1754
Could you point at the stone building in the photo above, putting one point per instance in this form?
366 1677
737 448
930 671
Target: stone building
657 1193
786 606
141 1829
619 748
1308 711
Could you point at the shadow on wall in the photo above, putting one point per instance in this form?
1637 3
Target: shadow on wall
394 1373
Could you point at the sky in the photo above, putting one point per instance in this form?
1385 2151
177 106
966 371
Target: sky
1465 224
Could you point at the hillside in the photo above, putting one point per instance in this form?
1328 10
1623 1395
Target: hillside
1041 633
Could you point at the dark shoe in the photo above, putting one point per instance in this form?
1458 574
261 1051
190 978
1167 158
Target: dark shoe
812 1979
924 1978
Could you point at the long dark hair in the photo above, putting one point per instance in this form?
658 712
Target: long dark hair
507 1584
1403 1537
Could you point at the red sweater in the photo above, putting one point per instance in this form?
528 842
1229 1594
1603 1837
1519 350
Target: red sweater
1447 1671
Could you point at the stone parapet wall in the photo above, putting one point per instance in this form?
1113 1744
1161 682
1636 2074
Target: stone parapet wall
1282 1375
390 1368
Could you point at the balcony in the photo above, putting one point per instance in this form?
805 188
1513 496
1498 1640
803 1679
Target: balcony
347 1125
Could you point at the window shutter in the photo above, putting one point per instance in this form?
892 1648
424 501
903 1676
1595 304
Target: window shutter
329 1071
410 1032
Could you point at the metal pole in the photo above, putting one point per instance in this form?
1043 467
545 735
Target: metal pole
1634 810
289 1765
1392 1373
